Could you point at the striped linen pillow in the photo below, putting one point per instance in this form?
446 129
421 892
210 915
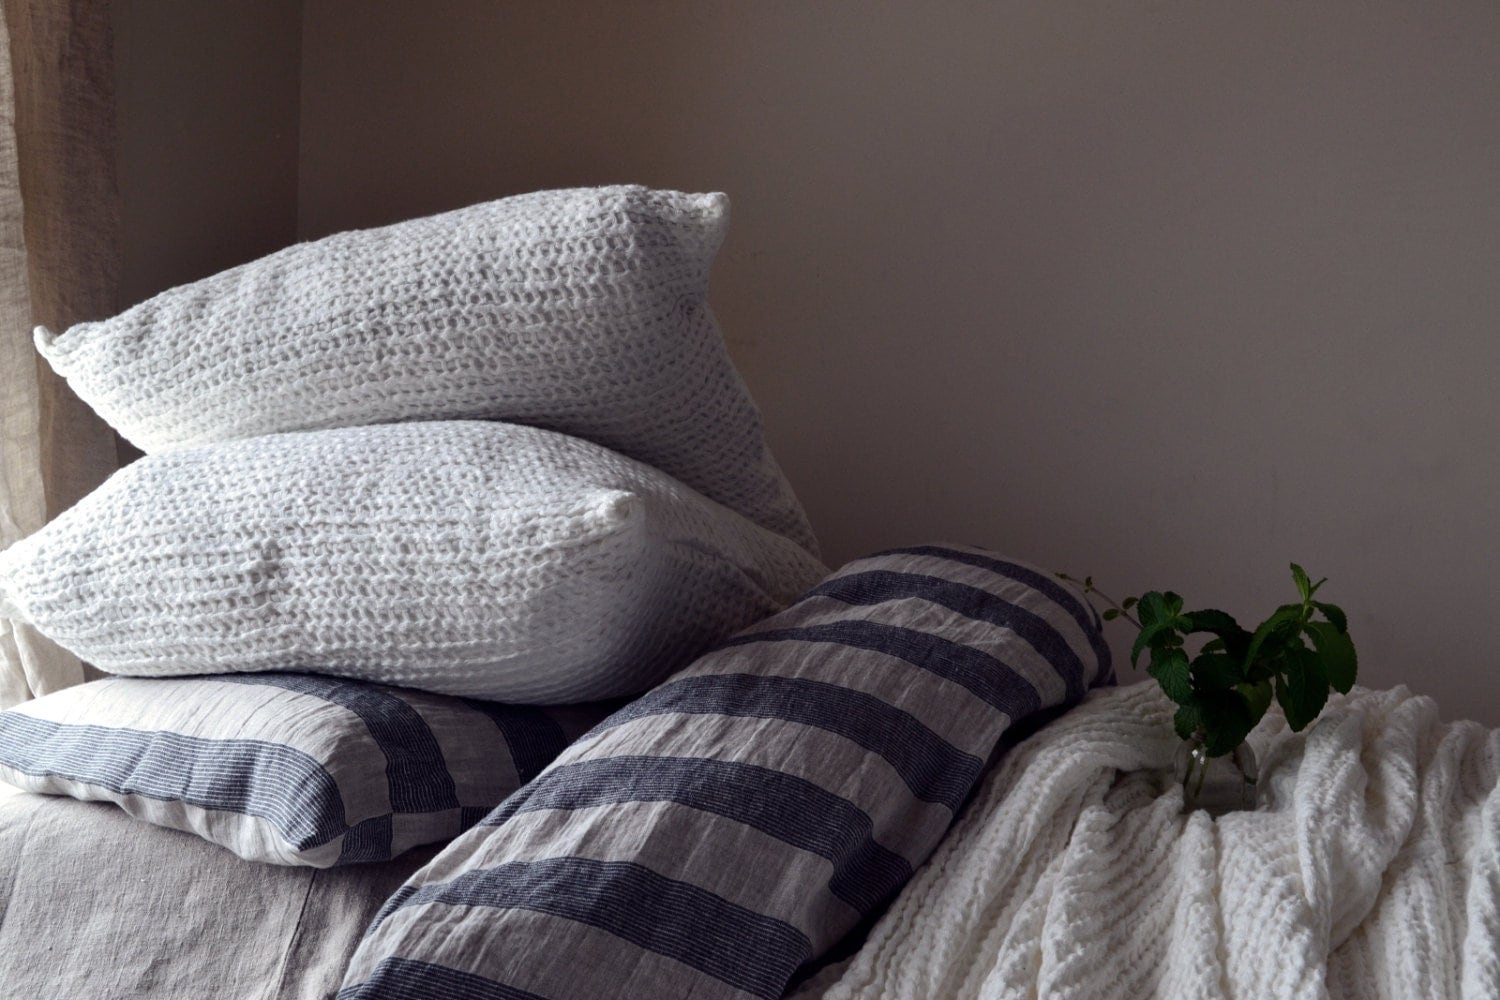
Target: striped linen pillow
729 826
290 769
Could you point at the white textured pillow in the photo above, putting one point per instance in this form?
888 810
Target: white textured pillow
581 311
480 559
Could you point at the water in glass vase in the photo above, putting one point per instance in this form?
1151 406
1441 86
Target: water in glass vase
1218 785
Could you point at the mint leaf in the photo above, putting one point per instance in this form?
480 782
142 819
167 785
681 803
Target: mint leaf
1235 640
1334 614
1274 633
1162 635
1156 607
1170 668
1227 720
1303 689
1304 585
1213 620
1148 638
1336 649
1187 721
1216 672
1257 696
1153 608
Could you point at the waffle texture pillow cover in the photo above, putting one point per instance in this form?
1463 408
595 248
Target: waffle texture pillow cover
580 311
287 769
732 824
471 558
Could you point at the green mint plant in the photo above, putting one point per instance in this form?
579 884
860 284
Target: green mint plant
1297 654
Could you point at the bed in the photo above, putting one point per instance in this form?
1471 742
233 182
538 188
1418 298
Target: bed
464 639
97 904
1373 870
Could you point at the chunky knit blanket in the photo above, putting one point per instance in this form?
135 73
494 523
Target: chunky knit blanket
1371 870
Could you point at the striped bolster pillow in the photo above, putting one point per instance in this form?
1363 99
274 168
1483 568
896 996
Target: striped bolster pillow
290 769
732 824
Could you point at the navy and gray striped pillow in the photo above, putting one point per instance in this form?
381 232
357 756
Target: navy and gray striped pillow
285 768
729 826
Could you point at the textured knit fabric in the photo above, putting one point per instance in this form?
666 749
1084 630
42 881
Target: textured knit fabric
284 768
479 559
581 311
97 906
1372 871
729 826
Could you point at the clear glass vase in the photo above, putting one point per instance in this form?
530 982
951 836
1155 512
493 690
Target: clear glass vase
1218 785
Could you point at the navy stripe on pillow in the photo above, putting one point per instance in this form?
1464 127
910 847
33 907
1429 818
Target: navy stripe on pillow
404 979
788 808
879 586
415 770
975 669
1081 611
285 787
534 737
668 917
368 841
934 769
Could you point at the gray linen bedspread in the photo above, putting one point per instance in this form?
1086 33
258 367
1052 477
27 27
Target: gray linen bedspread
97 905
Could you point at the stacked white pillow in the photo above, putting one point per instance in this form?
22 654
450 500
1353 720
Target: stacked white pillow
315 496
582 311
486 560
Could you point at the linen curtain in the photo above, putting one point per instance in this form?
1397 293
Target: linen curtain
59 264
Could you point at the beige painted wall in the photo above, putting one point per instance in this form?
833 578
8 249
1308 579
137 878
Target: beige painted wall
207 98
1171 293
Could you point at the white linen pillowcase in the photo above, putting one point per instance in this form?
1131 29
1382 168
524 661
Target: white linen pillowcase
471 558
581 311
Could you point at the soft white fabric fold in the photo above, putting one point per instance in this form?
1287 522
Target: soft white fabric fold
1373 869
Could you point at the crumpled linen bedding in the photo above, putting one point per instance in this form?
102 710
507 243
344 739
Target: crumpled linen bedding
1371 870
96 904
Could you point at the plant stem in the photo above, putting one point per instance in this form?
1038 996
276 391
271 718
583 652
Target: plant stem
1123 613
1089 588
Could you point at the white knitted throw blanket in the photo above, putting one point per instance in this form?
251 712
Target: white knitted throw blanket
1371 870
